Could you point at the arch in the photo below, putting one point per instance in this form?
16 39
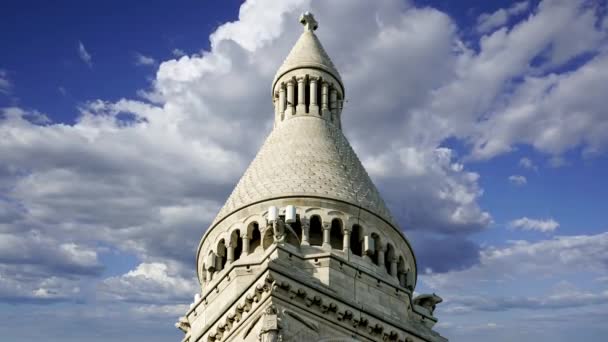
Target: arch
297 228
336 234
268 237
315 231
221 255
389 255
377 247
356 239
256 237
237 243
296 93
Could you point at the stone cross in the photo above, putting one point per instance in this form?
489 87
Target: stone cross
309 22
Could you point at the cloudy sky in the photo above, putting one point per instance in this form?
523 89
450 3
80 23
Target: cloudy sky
123 128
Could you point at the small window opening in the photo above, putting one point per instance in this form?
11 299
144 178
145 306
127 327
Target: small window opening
315 234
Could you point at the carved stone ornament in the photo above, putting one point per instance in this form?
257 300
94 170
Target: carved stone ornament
269 331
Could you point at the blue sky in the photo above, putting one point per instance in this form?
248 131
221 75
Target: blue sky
124 127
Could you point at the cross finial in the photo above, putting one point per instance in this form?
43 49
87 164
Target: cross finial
309 22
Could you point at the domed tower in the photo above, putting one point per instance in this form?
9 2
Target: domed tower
305 248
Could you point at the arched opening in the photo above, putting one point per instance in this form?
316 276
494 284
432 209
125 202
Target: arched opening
315 233
356 239
336 234
256 237
221 255
307 94
296 227
237 243
377 247
268 237
319 95
389 255
296 93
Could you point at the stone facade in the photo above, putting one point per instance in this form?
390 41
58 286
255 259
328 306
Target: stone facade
305 248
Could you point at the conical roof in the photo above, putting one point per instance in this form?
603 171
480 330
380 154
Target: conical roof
308 53
306 157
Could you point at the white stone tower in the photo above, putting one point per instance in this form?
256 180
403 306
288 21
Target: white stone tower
305 248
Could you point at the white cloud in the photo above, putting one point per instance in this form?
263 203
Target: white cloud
435 193
524 223
518 180
514 89
147 177
527 163
561 299
199 123
509 266
33 248
154 283
487 22
85 56
5 83
144 60
178 52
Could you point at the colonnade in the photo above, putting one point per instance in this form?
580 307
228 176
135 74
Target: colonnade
308 95
313 232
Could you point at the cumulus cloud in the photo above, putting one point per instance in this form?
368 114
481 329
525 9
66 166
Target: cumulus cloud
25 286
524 223
144 60
518 180
153 283
147 176
84 55
489 21
552 258
62 257
513 89
125 152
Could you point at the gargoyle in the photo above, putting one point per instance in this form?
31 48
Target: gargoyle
428 301
183 324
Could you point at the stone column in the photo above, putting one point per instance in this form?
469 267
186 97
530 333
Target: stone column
290 98
394 268
333 103
230 256
305 231
380 252
324 99
346 241
301 108
281 104
326 236
314 106
211 263
245 244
